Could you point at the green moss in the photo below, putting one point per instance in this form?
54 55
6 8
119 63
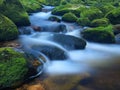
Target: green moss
15 11
99 34
32 5
91 13
114 16
62 9
83 22
69 17
8 30
12 67
63 2
100 22
106 8
53 2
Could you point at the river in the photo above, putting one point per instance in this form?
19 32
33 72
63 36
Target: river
79 65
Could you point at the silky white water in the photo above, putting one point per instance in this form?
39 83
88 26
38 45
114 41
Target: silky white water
79 61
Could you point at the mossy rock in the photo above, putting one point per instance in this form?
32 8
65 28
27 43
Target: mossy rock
91 13
106 8
8 30
13 68
99 34
114 16
54 18
69 17
63 9
14 10
83 22
32 5
100 22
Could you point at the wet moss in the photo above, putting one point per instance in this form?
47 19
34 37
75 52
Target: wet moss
83 22
69 17
100 22
13 68
114 16
99 34
91 13
8 30
14 10
32 5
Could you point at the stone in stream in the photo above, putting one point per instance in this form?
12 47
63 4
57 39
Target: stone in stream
58 46
69 42
52 52
54 18
56 27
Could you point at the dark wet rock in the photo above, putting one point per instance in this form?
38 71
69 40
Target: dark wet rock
54 18
54 28
52 52
69 42
116 29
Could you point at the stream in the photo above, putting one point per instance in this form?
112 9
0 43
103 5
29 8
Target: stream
65 67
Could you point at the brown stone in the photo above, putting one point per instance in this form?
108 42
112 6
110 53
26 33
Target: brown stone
36 28
35 87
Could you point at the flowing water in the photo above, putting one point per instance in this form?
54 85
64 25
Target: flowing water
95 56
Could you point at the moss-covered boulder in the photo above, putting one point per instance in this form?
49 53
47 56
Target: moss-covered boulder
100 22
13 68
8 30
106 8
99 34
83 21
63 9
14 10
91 13
69 17
114 16
32 5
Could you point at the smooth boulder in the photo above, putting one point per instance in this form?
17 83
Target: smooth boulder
69 42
